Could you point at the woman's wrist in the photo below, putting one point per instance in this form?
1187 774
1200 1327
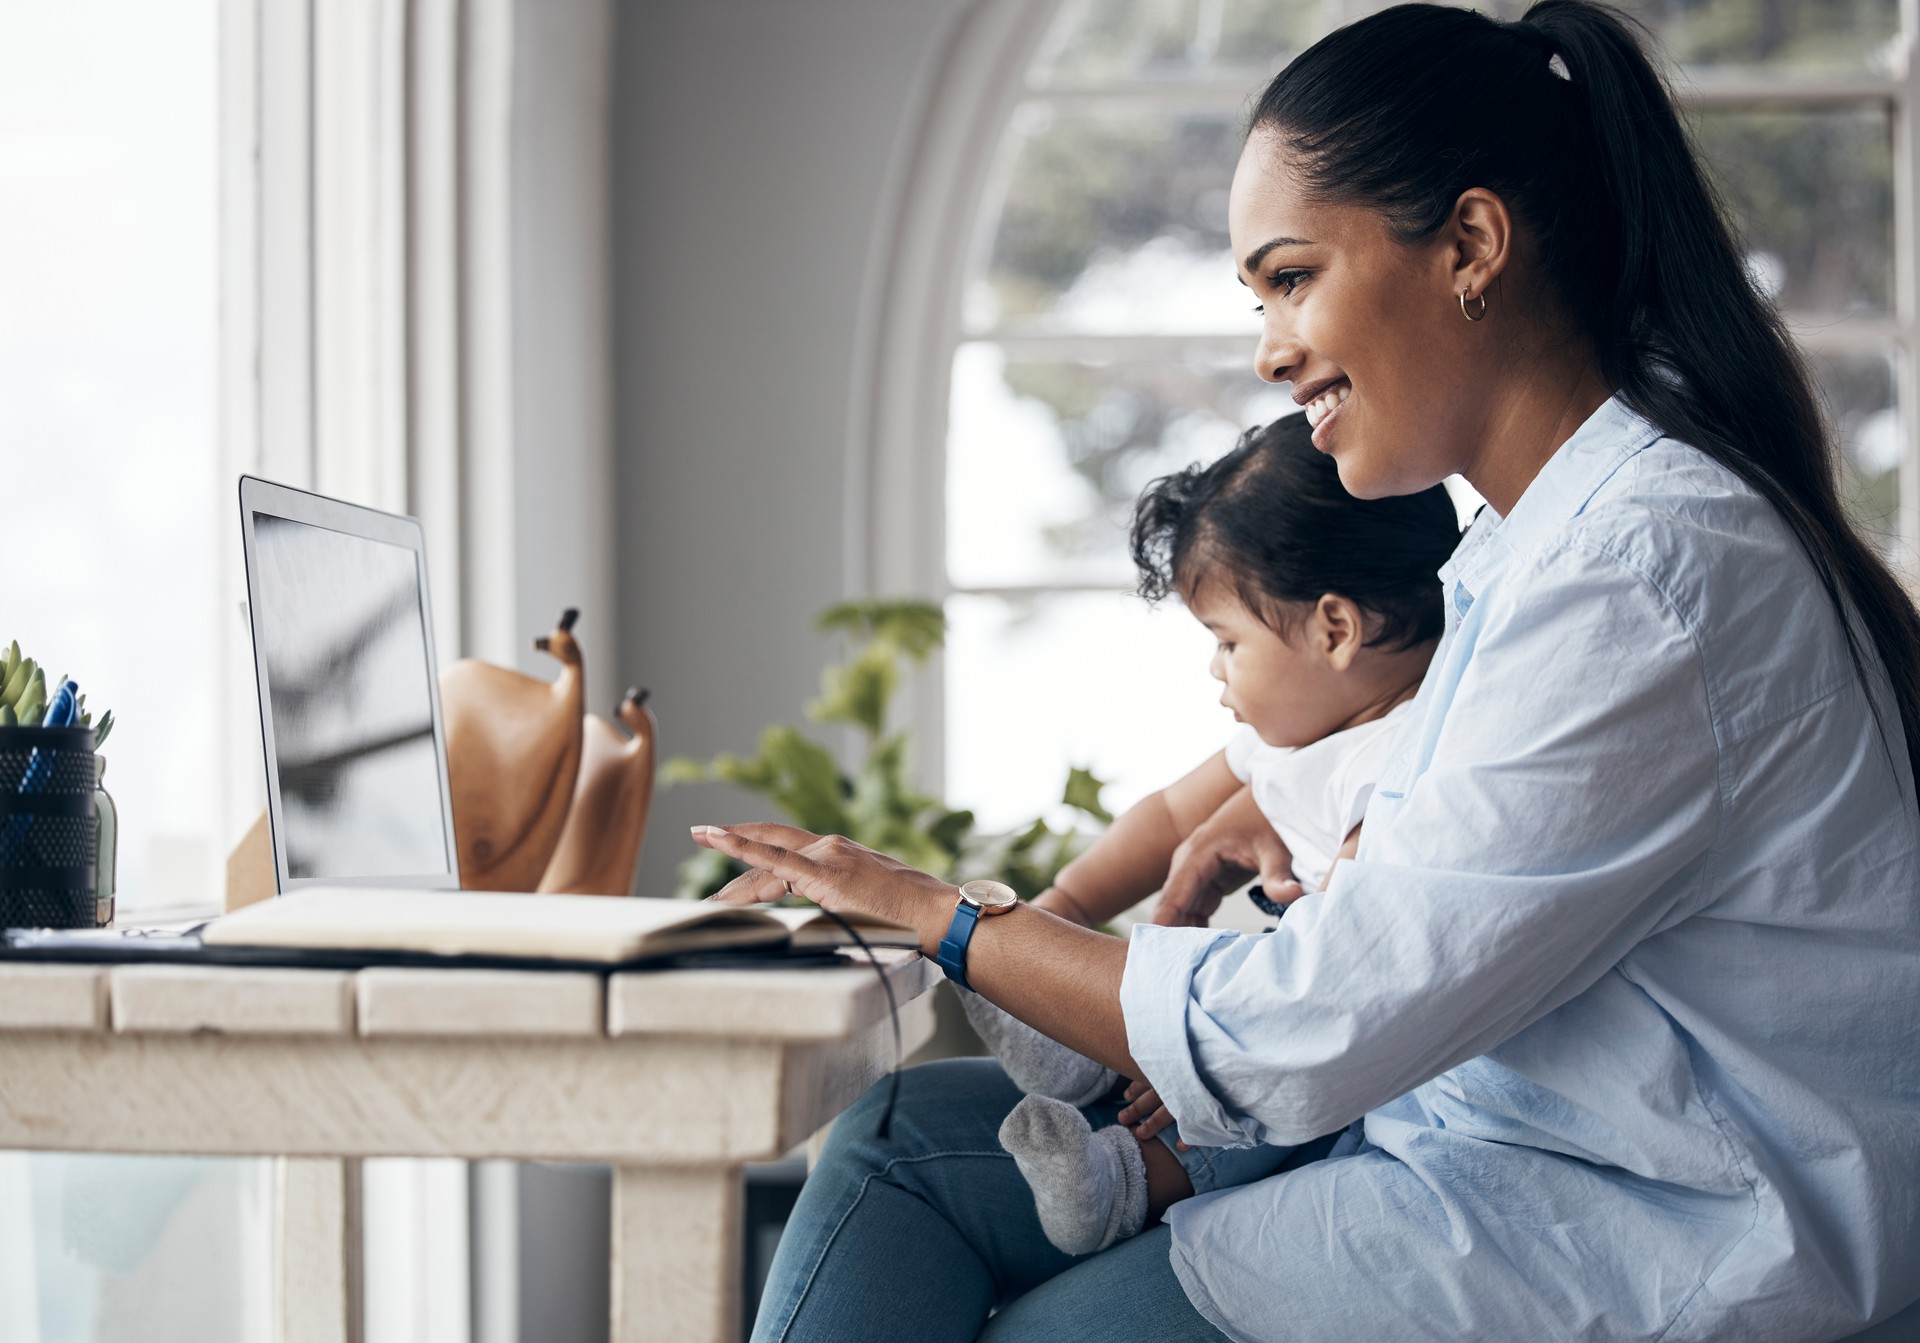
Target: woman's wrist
932 919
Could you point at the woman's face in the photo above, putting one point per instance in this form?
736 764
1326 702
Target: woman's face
1368 330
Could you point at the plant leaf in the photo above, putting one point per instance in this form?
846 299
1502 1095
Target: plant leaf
907 626
807 783
859 691
1082 793
683 769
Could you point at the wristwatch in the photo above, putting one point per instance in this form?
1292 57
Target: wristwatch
978 899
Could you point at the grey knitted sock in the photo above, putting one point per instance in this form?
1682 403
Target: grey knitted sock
1090 1188
1038 1064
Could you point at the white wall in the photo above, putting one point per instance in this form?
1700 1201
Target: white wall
562 401
752 146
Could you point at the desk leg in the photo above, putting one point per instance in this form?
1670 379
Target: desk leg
676 1253
320 1243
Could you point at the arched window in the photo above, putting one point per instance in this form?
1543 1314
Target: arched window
1105 340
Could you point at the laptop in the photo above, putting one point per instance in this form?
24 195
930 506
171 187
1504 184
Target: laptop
342 621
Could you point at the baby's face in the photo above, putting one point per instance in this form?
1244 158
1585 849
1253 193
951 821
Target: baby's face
1287 686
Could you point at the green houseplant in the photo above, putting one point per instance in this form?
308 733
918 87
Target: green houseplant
877 803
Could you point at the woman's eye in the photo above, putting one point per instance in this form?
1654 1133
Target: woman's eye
1287 281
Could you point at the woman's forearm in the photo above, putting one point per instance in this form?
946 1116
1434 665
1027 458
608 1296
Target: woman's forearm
1058 977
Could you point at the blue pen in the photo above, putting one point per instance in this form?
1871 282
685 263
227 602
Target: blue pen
39 765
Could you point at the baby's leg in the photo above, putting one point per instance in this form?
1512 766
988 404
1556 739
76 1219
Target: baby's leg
1037 1063
1093 1187
1089 1185
1167 1180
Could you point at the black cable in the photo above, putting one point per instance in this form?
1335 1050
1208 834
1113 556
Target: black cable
893 1014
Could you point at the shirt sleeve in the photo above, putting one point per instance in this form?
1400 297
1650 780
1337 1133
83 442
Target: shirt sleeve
1569 783
1241 748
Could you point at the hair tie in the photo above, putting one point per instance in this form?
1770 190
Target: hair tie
1543 43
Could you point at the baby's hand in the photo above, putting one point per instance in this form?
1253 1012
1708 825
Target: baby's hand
1144 1115
1234 844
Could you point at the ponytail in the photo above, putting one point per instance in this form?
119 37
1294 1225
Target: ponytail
1562 115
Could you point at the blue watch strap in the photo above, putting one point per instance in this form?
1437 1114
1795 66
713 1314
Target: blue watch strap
953 947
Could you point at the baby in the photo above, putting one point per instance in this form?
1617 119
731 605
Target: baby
1326 610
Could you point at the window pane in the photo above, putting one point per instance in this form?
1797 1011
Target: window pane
1779 36
1045 458
1100 680
1812 191
1775 34
1858 390
1103 40
1109 40
1116 222
113 498
120 1249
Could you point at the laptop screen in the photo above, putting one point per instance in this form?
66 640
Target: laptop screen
342 637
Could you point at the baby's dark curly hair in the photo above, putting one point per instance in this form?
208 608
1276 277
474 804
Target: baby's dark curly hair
1272 519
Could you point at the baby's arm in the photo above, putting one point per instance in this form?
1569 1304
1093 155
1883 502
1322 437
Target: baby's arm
1130 861
1347 850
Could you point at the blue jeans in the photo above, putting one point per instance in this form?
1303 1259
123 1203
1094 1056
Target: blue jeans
1211 1168
924 1234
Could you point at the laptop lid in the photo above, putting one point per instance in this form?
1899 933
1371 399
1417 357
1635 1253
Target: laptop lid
349 692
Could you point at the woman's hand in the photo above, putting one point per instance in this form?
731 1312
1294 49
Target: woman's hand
1224 852
834 873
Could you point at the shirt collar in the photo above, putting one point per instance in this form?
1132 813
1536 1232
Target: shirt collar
1571 477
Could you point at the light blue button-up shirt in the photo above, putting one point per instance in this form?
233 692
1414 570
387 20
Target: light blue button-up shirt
1625 980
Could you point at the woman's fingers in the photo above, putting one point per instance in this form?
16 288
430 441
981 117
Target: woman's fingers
790 837
768 857
752 887
830 870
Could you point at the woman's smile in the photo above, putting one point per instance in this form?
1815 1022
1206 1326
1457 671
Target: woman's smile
1324 407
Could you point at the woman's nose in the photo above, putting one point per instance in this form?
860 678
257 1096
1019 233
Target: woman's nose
1277 354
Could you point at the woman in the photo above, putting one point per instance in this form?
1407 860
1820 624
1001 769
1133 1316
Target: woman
1622 987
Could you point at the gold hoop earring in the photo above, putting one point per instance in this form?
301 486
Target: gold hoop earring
1469 313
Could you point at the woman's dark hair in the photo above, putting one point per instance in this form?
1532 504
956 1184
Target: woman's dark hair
1562 115
1272 519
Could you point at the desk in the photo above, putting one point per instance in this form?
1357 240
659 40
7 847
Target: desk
676 1079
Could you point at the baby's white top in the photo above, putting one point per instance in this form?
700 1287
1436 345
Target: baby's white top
1315 795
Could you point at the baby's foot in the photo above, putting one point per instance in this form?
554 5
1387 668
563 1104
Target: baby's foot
1038 1064
1090 1188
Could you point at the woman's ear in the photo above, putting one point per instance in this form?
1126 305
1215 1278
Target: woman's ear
1479 237
1339 629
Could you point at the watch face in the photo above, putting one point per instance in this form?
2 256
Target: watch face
991 896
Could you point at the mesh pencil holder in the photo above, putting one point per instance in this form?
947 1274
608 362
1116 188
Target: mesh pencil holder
48 827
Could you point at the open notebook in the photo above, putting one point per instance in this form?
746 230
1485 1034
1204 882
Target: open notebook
580 928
